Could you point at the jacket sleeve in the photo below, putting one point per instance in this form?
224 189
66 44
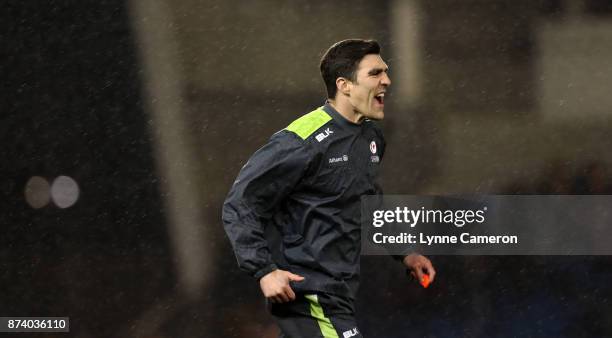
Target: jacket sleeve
262 184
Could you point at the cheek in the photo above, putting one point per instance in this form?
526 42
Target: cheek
364 96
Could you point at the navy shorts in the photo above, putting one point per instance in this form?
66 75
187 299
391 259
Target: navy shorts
317 315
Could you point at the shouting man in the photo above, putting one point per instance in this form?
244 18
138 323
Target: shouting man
307 181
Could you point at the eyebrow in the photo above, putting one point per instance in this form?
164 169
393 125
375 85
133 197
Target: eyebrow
375 71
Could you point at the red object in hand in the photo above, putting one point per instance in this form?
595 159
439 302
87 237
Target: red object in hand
425 281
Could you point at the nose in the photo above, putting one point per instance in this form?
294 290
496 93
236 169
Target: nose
385 80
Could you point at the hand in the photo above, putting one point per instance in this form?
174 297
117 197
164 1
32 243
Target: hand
275 286
418 266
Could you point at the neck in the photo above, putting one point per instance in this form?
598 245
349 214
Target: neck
346 110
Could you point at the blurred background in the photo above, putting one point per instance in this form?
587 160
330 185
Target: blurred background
124 123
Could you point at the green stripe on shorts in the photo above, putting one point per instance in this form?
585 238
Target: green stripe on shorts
325 324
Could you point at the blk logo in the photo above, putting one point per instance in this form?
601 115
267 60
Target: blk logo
321 136
350 333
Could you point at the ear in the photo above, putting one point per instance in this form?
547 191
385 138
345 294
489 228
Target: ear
344 86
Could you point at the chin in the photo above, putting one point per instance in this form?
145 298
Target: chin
377 116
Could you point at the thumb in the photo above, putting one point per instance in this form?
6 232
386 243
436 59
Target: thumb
418 273
294 277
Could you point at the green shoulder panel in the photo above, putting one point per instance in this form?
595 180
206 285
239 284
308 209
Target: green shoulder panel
309 123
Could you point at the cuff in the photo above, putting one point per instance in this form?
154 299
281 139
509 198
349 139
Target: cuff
264 271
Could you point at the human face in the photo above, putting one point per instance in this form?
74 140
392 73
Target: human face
367 92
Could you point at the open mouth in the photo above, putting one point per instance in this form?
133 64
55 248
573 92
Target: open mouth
380 98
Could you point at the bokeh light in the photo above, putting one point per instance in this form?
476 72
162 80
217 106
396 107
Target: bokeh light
37 192
64 192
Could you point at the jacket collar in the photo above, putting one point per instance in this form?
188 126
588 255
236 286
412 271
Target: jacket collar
341 120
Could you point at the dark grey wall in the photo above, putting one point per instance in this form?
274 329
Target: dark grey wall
71 106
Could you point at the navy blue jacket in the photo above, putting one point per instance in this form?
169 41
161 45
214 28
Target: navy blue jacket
307 181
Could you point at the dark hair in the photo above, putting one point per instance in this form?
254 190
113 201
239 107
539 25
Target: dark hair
341 60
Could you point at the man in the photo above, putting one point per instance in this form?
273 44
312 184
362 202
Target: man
307 181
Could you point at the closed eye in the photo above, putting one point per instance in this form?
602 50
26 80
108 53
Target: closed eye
377 71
